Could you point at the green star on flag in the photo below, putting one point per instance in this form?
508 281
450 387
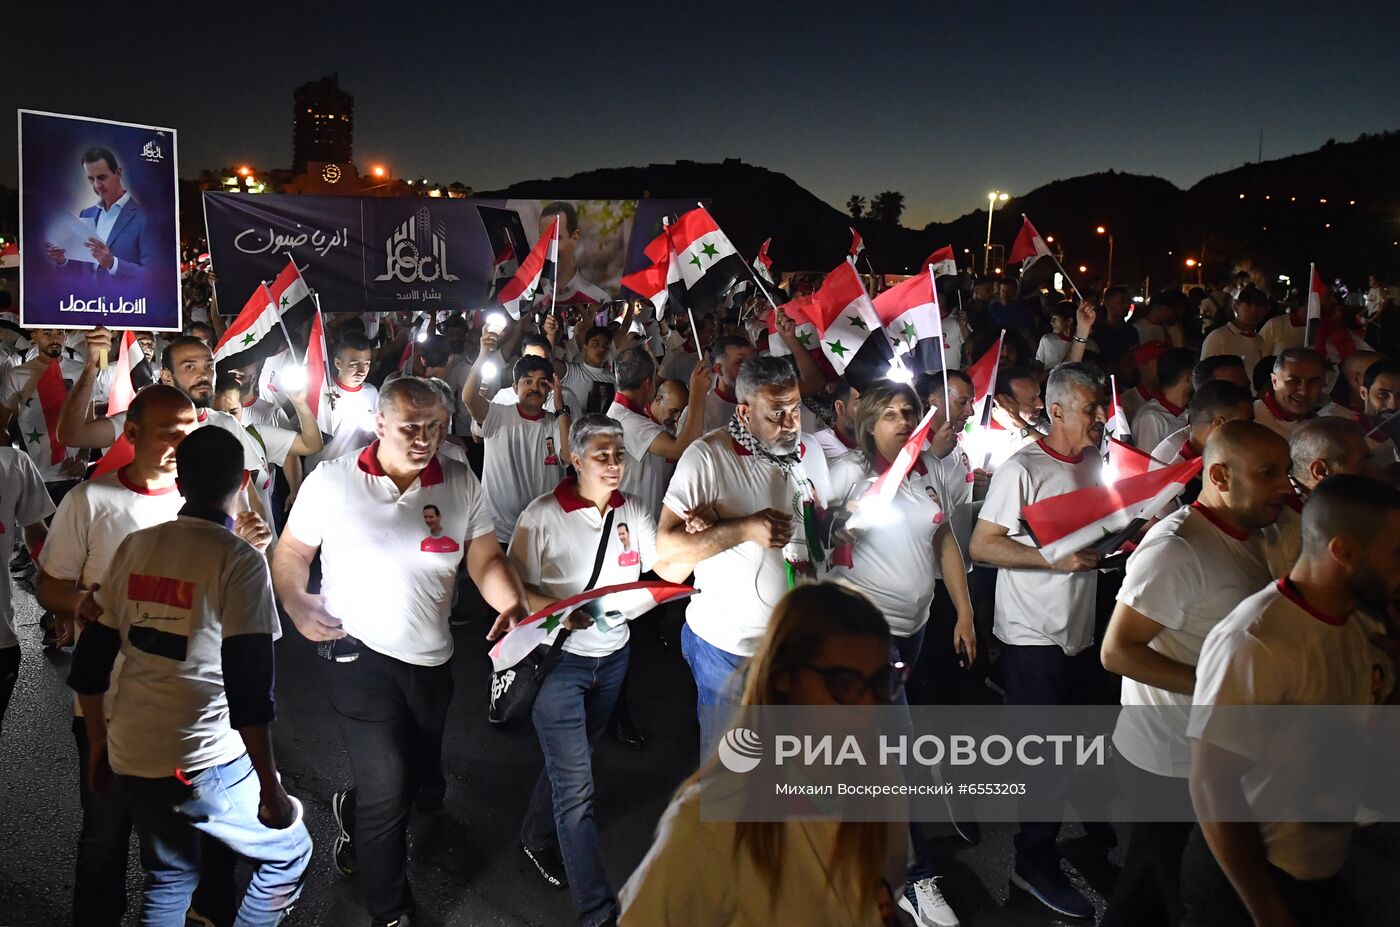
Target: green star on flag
858 322
837 348
284 303
34 436
550 623
248 339
709 250
908 332
805 339
694 259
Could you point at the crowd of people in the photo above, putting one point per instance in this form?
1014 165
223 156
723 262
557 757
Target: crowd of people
477 468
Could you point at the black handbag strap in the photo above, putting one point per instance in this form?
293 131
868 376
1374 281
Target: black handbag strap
558 648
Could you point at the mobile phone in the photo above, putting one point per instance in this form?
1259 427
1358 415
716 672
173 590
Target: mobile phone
342 650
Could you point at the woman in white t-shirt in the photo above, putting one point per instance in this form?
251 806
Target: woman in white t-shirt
893 556
825 645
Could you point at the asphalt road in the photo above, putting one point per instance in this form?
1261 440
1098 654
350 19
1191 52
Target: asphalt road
466 868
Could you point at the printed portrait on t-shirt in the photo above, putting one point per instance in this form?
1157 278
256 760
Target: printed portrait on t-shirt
628 557
600 396
436 542
551 459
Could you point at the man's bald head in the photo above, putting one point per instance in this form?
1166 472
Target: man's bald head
157 421
1321 447
1246 473
1354 367
1240 439
157 399
671 398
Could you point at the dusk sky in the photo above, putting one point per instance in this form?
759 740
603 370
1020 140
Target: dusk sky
942 102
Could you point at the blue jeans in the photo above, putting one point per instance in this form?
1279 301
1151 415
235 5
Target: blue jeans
718 685
221 803
572 708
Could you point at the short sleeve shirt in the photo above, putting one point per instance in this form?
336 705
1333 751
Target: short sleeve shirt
23 501
646 474
521 461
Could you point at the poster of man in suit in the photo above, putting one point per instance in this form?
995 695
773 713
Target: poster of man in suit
99 234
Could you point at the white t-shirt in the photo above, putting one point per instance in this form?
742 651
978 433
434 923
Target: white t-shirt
1189 572
384 574
892 563
254 454
174 613
1171 449
23 501
832 444
352 423
520 462
719 409
1154 421
591 388
1053 349
677 364
1274 649
1041 606
21 381
555 544
1279 333
740 587
1228 339
646 474
1277 419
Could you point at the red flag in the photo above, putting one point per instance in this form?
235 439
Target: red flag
317 380
882 491
522 289
763 264
857 245
119 399
658 249
650 282
1313 330
52 393
984 383
943 262
1029 245
1125 461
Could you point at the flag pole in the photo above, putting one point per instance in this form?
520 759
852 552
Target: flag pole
1059 267
942 348
986 422
762 289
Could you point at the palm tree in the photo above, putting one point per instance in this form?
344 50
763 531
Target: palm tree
856 205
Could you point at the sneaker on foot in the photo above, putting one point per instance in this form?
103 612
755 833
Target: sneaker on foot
925 903
1049 885
629 733
344 843
549 865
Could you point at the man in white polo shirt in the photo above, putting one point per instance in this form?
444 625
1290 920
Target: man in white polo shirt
381 618
1300 642
526 447
1190 571
1043 617
554 550
743 507
652 452
1295 391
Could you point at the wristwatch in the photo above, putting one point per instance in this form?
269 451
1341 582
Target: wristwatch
1077 340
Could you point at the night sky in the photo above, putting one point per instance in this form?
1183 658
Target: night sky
942 101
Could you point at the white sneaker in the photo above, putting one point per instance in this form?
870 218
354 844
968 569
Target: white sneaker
926 904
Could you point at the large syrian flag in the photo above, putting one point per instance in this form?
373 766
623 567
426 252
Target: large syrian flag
536 272
258 330
1123 461
37 419
119 397
318 376
607 605
1037 263
848 326
1313 326
763 264
1103 518
704 264
913 319
650 282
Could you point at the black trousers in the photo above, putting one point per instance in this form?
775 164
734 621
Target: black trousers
1210 900
391 716
9 675
1148 890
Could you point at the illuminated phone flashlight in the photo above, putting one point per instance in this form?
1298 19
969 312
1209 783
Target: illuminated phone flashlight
496 323
488 370
293 378
423 335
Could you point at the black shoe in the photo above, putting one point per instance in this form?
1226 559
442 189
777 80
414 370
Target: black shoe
1048 884
345 859
403 920
549 865
50 629
429 798
628 733
21 561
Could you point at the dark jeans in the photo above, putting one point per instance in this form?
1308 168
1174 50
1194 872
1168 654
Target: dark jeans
718 685
99 884
1148 890
1209 899
906 650
391 716
574 704
1045 675
179 821
9 675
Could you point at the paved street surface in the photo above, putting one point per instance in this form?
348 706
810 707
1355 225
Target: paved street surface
466 866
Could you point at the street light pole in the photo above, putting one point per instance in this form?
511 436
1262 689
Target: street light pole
1108 275
987 249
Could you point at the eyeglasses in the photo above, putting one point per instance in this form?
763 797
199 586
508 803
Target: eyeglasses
847 685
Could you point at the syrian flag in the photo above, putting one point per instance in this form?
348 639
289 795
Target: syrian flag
119 397
845 320
1103 518
805 331
857 245
943 262
874 505
1030 249
1313 325
257 331
317 380
1117 427
608 605
912 318
983 373
1123 461
650 282
763 264
38 417
704 265
539 266
504 257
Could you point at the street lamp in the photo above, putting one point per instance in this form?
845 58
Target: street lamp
378 170
996 196
1108 274
1192 262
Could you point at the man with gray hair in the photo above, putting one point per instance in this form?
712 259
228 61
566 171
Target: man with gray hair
1043 618
743 507
1328 445
1295 390
380 622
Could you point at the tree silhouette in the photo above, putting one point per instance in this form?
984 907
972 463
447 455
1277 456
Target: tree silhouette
887 207
856 205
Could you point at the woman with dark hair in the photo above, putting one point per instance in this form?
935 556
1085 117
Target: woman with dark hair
825 645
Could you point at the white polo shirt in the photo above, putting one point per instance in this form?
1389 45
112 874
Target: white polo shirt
384 574
1228 339
352 423
832 443
1155 420
521 461
1041 606
739 587
646 474
1276 649
1189 572
892 564
23 501
555 544
174 613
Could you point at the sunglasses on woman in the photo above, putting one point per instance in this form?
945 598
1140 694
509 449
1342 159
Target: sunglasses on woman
846 685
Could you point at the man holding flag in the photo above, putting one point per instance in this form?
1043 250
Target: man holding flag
33 392
1044 619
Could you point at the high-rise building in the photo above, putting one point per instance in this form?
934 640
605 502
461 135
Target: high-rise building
323 124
